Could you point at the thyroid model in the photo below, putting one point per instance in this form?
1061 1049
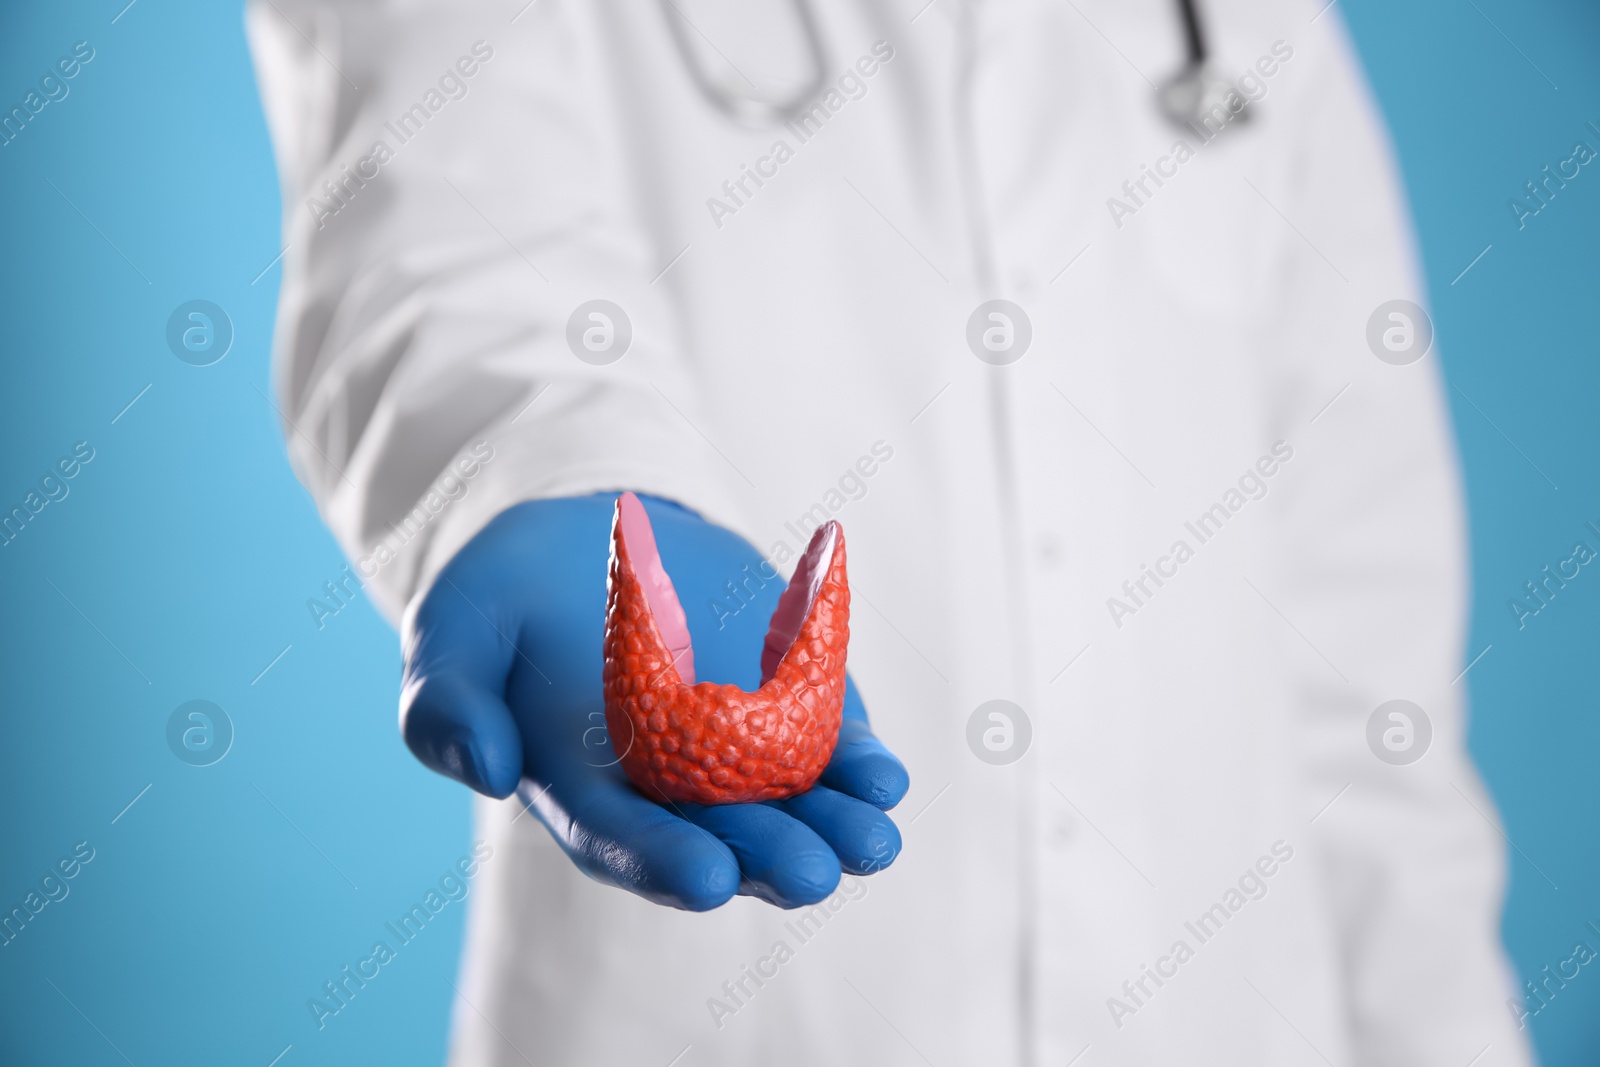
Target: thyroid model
706 743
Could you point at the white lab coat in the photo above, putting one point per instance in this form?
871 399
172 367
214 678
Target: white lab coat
1174 746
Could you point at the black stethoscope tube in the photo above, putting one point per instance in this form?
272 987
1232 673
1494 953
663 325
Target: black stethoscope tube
1193 33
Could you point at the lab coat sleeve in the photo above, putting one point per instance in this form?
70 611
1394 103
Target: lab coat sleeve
1373 585
455 184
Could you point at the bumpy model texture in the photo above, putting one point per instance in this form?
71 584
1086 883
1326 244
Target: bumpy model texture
706 743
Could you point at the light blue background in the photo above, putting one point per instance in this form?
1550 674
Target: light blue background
180 563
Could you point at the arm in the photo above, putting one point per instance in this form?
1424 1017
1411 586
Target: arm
1375 576
435 408
428 285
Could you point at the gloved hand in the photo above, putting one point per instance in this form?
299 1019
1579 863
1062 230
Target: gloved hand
502 682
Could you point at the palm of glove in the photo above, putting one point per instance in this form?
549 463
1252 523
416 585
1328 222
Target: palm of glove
503 681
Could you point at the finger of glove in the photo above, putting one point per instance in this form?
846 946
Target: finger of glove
781 860
863 768
456 728
864 838
452 714
616 836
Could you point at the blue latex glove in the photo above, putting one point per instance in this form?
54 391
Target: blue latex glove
489 713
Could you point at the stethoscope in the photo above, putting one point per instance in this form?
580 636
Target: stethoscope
1189 96
1196 91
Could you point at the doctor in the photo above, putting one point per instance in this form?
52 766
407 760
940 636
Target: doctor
1095 325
